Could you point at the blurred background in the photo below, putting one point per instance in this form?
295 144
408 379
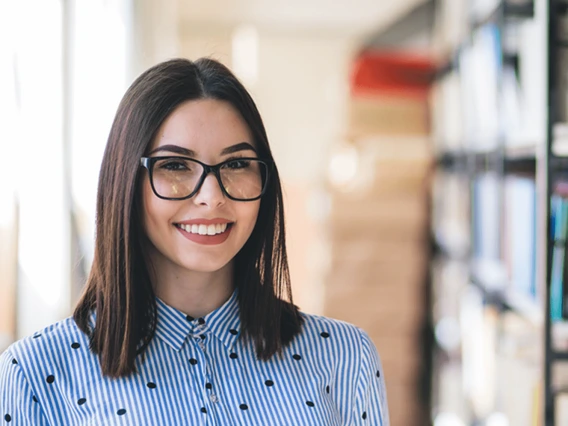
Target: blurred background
421 145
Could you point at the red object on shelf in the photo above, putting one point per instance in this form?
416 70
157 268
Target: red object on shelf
393 73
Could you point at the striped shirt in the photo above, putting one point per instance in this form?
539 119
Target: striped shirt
197 372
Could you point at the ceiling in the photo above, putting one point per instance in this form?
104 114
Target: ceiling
342 17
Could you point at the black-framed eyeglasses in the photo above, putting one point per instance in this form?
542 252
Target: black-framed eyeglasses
179 178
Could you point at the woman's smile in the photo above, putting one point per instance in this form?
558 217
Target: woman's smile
206 232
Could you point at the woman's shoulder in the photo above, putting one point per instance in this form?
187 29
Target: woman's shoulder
47 344
315 321
334 330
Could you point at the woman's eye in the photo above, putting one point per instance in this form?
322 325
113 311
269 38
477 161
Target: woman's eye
238 164
174 166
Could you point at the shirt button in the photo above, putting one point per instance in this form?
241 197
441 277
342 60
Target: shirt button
214 399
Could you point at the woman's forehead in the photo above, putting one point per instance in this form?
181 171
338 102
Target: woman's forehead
204 126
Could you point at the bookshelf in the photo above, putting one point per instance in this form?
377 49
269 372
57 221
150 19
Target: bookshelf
500 214
556 330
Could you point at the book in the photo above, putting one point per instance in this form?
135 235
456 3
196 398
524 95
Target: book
559 273
519 222
486 217
481 67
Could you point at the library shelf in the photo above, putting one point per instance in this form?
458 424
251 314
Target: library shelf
560 356
510 161
508 300
507 10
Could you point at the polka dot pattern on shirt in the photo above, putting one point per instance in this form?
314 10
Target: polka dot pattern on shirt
233 355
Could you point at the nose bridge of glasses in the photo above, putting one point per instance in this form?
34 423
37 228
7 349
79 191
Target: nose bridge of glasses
211 172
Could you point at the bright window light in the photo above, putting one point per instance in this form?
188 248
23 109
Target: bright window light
344 166
245 54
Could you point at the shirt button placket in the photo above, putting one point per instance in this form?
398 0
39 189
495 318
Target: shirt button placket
201 344
200 336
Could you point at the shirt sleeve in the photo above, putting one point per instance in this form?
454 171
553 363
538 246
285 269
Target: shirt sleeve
18 404
371 397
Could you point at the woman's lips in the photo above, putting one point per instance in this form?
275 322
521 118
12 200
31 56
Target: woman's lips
198 238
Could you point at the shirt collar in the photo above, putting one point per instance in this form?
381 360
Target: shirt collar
174 327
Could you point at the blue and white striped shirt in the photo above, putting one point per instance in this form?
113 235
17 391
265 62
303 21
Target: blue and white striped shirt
197 372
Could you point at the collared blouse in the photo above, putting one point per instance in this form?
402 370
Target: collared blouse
197 372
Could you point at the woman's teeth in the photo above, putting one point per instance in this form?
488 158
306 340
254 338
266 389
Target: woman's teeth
217 228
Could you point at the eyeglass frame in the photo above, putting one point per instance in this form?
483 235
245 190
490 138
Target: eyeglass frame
148 163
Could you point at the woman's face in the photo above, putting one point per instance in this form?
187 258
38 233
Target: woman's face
206 130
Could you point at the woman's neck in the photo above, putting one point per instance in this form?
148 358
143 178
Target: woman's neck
192 292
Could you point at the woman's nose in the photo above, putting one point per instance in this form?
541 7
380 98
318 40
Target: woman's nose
210 192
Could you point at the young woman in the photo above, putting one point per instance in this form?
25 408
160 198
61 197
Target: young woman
187 316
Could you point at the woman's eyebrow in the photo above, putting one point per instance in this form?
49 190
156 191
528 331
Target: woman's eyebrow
243 146
174 148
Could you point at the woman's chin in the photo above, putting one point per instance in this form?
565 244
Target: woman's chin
204 265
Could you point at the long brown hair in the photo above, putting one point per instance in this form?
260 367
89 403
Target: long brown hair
118 289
